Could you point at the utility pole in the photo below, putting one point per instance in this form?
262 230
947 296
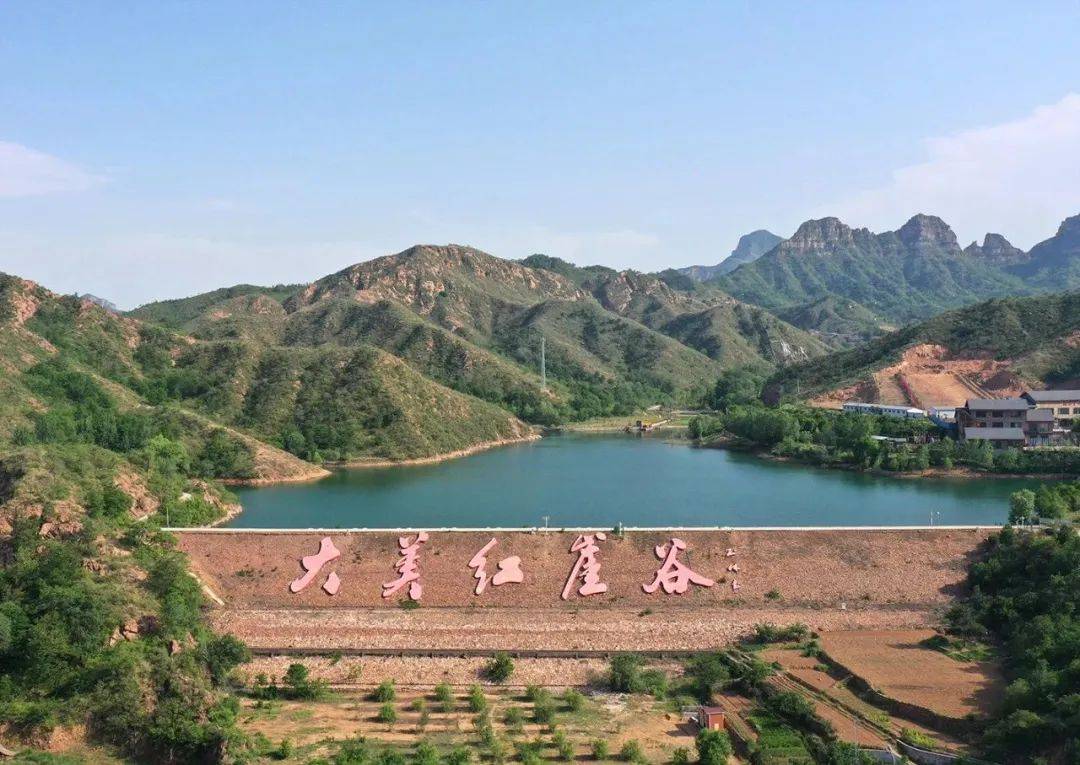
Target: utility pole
543 364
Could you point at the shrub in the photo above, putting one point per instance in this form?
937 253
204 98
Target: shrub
299 685
600 750
514 719
387 714
285 750
477 701
624 673
544 712
681 756
459 755
390 757
445 696
529 751
631 751
385 692
426 754
563 746
574 700
500 668
917 738
770 633
223 652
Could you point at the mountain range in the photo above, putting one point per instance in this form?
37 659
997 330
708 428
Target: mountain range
473 322
899 276
436 349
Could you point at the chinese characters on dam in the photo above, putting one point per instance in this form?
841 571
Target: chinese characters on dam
673 577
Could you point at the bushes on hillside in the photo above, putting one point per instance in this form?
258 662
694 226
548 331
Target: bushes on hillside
59 662
1026 594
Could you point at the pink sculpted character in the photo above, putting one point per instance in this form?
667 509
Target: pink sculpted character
407 567
674 576
312 565
587 568
509 569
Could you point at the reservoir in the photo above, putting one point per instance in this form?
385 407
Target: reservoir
602 480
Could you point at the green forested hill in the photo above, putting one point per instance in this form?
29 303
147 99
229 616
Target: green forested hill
835 320
333 402
473 322
75 372
178 314
697 315
1037 333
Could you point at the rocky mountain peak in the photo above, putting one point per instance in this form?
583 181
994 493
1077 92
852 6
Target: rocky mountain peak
995 247
928 231
1070 228
750 247
824 232
753 245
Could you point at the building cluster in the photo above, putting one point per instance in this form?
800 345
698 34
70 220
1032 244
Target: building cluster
1034 418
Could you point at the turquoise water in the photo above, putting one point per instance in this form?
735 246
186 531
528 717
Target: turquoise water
598 481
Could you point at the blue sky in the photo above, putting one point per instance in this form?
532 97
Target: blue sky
152 150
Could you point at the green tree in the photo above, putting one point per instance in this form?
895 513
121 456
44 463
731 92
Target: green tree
1022 506
737 386
1049 504
222 653
713 747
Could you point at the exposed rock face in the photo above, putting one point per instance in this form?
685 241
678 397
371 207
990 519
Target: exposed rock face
1057 259
420 275
619 291
821 234
143 502
928 232
996 249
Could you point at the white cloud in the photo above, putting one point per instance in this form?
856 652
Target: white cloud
1018 178
26 172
